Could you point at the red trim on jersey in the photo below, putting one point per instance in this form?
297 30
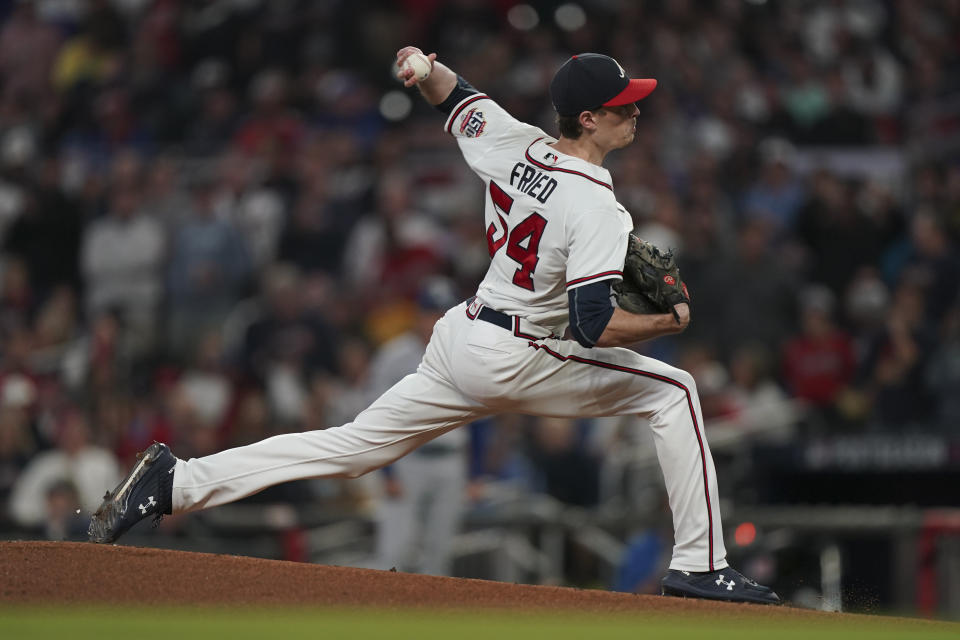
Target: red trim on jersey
597 276
520 334
500 198
671 381
548 168
463 105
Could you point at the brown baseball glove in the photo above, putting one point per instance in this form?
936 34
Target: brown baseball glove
651 280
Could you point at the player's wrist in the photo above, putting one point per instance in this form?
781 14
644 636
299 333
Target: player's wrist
439 85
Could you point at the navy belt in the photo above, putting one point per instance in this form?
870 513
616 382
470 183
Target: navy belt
518 327
496 317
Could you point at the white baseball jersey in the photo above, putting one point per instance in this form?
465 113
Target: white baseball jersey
552 224
552 220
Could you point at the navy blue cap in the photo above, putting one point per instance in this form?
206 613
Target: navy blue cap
588 81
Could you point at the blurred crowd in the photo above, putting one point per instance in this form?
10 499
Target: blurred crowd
213 213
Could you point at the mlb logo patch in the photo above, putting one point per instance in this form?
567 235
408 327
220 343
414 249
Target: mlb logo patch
472 124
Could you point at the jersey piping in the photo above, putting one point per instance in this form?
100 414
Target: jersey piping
545 167
693 417
596 276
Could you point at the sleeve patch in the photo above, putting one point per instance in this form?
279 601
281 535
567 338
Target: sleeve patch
472 123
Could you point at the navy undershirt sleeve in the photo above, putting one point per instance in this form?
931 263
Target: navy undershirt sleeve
590 311
461 91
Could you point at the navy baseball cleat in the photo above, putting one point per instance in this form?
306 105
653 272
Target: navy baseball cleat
723 584
146 491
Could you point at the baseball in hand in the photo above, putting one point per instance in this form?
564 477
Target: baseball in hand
420 65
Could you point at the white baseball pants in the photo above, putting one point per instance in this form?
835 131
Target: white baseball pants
472 369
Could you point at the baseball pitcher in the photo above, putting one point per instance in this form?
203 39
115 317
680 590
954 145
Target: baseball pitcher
558 242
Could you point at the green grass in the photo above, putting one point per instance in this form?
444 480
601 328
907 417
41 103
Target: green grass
272 624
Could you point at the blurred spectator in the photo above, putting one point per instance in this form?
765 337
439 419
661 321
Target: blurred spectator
16 295
712 380
251 420
565 469
641 568
75 459
272 125
206 386
198 407
777 196
16 448
218 113
819 363
933 265
56 326
165 199
350 392
351 180
891 374
836 236
663 229
951 206
13 198
395 247
646 554
19 384
64 519
28 47
840 124
927 83
257 209
93 55
806 98
129 424
321 409
828 25
208 269
315 235
942 376
47 235
193 434
873 80
759 404
748 296
98 359
865 305
111 127
286 345
122 258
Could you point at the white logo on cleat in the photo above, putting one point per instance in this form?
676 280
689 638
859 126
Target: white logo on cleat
730 584
152 503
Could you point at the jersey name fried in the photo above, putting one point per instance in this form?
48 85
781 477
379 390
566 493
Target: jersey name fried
534 183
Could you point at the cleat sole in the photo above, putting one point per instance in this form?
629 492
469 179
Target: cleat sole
104 519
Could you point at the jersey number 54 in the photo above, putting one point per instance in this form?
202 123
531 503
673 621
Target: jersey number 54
523 241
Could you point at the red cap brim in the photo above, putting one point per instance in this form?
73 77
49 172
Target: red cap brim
638 89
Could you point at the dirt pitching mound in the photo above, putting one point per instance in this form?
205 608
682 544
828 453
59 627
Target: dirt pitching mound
69 573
